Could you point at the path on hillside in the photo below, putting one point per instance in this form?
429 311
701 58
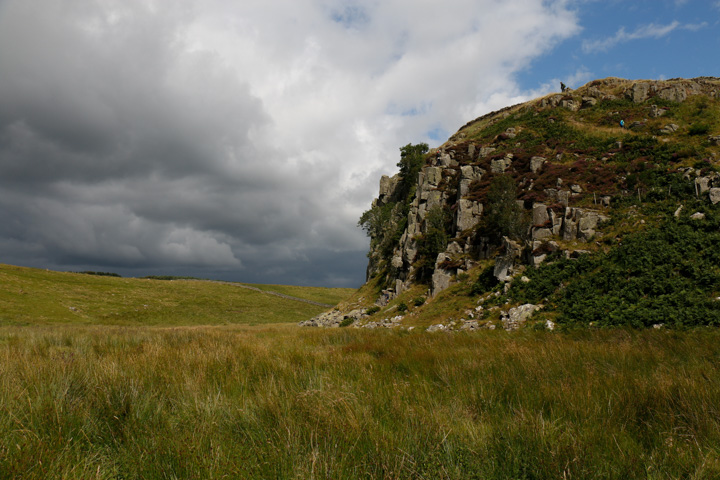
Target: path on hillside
281 295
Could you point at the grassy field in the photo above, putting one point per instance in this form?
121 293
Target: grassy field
32 296
331 296
286 402
146 379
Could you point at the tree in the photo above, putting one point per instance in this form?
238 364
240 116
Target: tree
412 159
503 215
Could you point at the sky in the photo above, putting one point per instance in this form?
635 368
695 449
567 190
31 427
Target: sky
242 140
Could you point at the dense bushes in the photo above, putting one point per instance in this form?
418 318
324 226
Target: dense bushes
667 275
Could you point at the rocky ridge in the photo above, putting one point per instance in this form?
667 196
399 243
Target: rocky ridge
575 159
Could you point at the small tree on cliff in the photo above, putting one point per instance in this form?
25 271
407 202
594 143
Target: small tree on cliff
376 221
412 159
503 215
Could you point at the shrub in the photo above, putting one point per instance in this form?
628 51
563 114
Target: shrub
372 310
419 301
485 282
101 274
347 322
402 307
699 129
667 274
504 216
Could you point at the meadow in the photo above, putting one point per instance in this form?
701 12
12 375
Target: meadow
82 400
286 402
30 296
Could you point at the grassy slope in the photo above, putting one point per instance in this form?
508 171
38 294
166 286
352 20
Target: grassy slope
286 402
330 296
31 296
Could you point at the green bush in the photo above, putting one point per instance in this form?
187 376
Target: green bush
347 322
699 129
402 307
666 275
101 274
419 301
485 282
372 310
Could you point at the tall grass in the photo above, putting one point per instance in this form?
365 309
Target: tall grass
286 402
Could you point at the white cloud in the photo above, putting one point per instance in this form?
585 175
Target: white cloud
645 31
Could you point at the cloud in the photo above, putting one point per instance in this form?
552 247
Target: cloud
240 138
645 31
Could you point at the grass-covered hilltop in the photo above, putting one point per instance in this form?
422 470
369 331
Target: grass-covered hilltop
598 206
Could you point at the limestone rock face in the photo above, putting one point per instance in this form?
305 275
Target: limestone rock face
639 92
580 224
536 163
516 317
540 215
485 151
702 184
673 94
570 104
715 195
387 187
445 160
441 278
588 102
542 233
468 214
499 166
468 174
433 177
505 264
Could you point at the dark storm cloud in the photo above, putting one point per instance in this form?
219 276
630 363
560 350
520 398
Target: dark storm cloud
235 138
117 149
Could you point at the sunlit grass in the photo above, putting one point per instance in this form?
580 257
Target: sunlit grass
330 296
32 296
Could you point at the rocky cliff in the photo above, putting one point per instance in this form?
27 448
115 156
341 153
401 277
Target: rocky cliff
568 174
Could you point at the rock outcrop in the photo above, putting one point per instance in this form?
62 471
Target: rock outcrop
456 175
564 191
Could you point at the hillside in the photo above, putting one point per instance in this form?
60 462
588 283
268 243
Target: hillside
598 206
32 296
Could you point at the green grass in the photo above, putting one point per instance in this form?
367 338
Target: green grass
31 296
286 402
330 296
